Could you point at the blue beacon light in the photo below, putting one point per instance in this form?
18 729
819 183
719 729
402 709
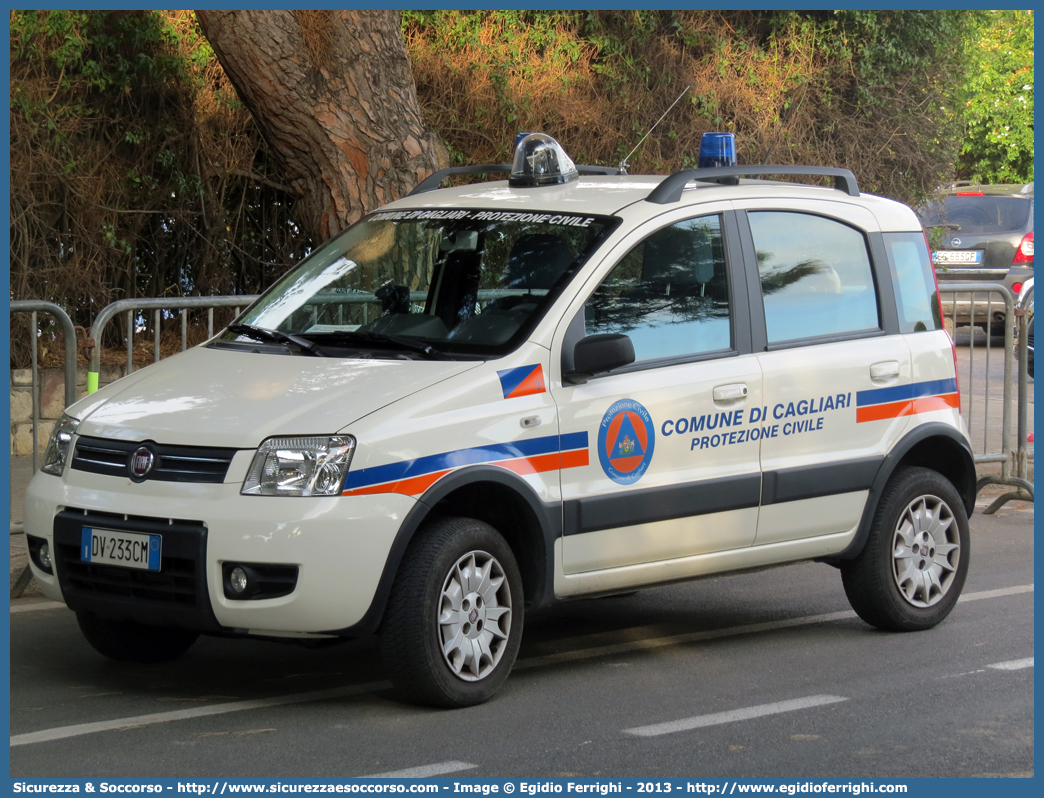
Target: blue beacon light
717 149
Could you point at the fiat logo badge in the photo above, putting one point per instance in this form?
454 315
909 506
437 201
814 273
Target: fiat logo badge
141 462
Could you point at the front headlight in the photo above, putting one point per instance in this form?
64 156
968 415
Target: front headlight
58 446
314 466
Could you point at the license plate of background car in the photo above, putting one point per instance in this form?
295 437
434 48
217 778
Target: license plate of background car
123 549
957 256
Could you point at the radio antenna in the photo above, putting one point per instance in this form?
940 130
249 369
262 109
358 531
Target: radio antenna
622 168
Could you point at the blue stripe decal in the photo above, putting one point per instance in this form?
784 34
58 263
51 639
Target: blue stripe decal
899 393
573 440
407 469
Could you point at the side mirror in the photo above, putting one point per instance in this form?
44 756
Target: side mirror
598 354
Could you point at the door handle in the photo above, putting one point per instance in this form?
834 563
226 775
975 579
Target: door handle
884 370
730 393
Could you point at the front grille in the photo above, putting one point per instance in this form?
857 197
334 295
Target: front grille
174 595
172 463
175 584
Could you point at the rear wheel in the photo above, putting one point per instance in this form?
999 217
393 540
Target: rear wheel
452 627
913 566
128 641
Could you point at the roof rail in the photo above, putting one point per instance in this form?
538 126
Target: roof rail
432 182
670 190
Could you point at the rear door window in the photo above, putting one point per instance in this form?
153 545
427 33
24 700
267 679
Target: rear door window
816 278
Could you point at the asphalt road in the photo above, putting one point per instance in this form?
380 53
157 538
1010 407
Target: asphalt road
765 674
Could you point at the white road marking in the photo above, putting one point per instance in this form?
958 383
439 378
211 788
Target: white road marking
966 673
425 771
988 594
747 713
63 732
1013 665
37 605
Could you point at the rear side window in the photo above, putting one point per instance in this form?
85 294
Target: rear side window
979 215
815 274
915 284
669 294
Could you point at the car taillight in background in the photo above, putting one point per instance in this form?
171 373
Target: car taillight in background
1016 288
1024 254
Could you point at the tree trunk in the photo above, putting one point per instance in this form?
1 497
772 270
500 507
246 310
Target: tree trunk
334 97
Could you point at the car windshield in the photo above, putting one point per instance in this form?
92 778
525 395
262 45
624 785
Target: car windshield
443 282
979 215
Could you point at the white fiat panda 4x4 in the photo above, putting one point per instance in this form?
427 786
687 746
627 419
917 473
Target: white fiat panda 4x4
485 399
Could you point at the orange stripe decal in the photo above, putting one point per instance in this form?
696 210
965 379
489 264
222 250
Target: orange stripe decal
575 459
926 404
923 404
532 465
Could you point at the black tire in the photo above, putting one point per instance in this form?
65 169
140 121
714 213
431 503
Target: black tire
890 584
127 641
420 615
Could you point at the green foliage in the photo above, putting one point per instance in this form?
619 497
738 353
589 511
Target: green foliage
131 163
133 160
998 144
874 91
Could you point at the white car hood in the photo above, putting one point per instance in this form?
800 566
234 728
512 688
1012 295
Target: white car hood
218 397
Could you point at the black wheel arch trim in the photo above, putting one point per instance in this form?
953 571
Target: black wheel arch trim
548 516
918 435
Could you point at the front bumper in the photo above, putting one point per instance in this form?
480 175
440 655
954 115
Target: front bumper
340 545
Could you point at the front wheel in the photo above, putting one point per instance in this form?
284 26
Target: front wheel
453 624
913 566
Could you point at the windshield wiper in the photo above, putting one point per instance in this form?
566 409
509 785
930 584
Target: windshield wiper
274 336
410 344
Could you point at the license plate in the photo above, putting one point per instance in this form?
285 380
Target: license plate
123 549
972 256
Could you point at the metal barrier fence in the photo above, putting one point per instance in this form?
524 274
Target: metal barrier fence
33 307
986 301
157 306
71 346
